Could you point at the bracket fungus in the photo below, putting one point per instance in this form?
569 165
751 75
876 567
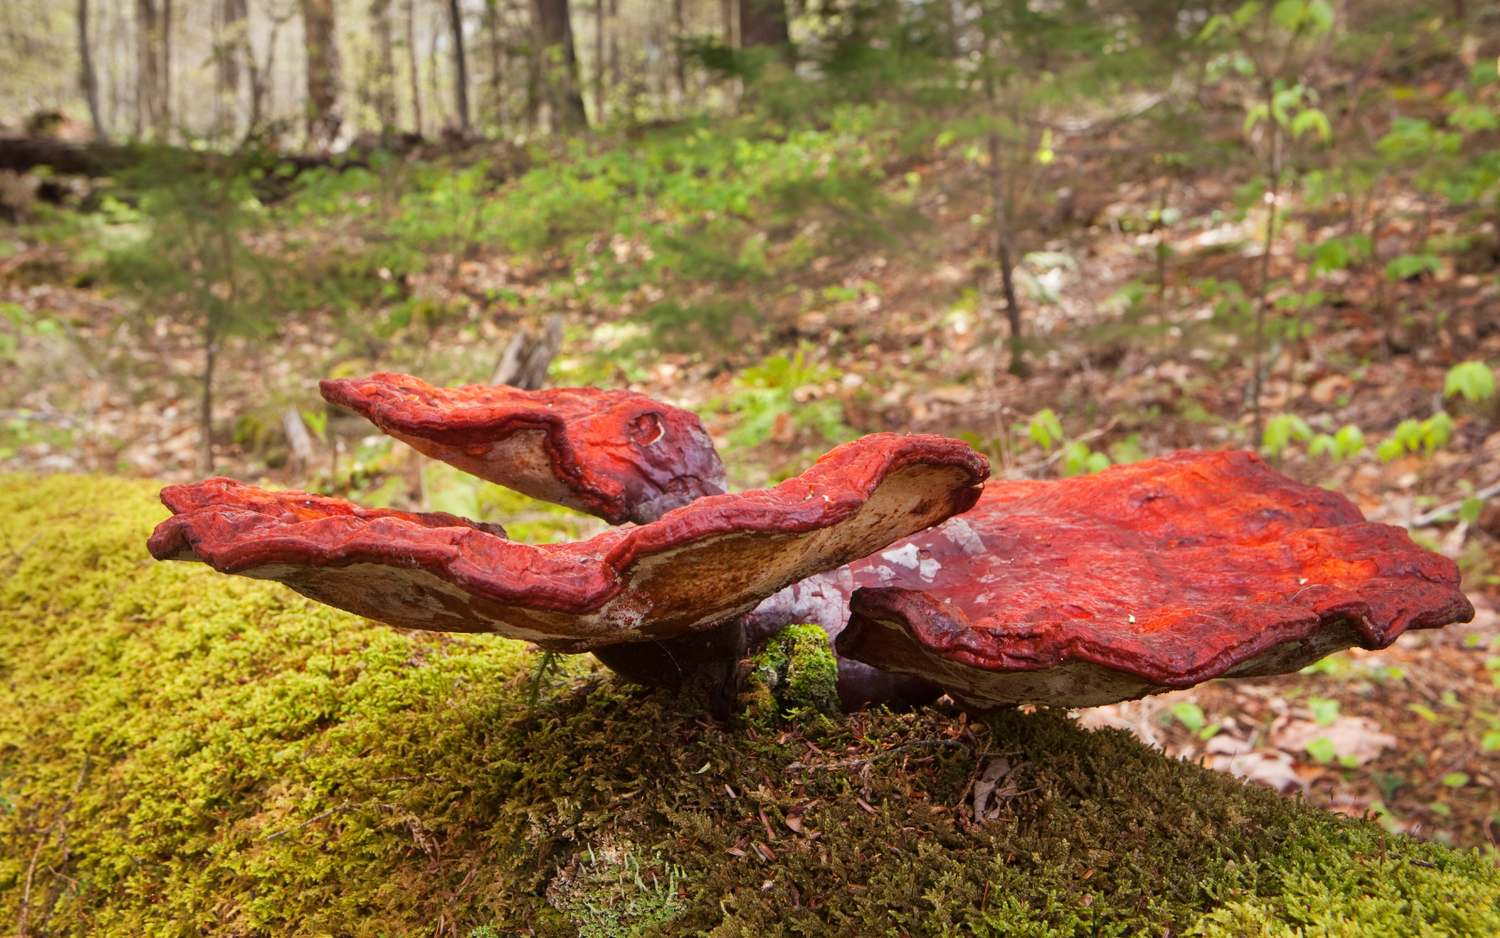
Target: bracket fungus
1141 579
688 571
1074 592
616 454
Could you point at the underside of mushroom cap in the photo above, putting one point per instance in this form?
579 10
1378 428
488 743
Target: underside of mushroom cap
692 568
616 454
1141 579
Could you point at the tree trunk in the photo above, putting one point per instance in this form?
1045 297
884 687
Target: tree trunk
460 66
383 94
1004 256
679 36
322 73
556 29
599 62
416 65
496 103
87 78
763 23
233 35
147 82
164 112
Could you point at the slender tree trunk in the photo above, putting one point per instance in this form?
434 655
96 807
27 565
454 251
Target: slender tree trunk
599 24
1264 299
164 119
555 25
763 23
228 49
87 78
147 82
416 65
206 409
460 66
383 94
1004 256
496 104
679 62
323 119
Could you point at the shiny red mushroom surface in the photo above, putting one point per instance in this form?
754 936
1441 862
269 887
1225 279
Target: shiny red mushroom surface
692 568
616 454
1139 579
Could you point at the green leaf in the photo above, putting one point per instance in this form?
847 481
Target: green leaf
1456 779
1045 429
1312 119
1474 380
1321 749
1324 711
1281 430
1424 712
1411 265
1491 741
1470 510
1190 714
1255 115
1436 431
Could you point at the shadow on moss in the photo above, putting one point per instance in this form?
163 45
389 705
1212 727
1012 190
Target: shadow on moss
185 752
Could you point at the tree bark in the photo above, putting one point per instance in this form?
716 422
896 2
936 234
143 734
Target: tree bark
496 103
599 62
460 66
147 81
323 119
416 67
383 92
763 23
555 27
1005 257
164 118
87 78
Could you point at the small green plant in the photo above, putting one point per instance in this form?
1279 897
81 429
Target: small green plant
1324 711
1413 436
1044 429
1339 446
1473 381
787 389
1080 460
1282 430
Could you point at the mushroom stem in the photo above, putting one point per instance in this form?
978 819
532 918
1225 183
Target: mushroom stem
701 664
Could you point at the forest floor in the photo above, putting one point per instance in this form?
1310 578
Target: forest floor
910 337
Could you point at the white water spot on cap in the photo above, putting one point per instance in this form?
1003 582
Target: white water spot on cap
964 537
903 556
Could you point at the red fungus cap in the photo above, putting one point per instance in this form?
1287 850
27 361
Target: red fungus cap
616 454
692 568
1141 579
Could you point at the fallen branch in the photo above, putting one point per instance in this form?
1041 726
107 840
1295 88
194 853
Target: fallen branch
1448 508
42 842
853 763
313 820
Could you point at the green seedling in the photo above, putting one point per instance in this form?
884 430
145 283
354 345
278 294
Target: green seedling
1474 381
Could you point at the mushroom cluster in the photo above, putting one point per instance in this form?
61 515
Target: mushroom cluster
1070 593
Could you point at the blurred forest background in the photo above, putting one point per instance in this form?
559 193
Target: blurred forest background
1071 232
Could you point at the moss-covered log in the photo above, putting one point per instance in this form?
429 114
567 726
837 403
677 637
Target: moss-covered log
187 753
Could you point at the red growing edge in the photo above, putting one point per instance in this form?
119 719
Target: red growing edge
696 566
616 454
1141 579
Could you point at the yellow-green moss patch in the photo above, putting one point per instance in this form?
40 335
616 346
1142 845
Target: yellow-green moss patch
187 753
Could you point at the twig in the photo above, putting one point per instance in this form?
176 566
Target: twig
313 820
42 842
854 763
1438 513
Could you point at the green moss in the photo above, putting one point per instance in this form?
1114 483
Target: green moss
187 753
798 669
